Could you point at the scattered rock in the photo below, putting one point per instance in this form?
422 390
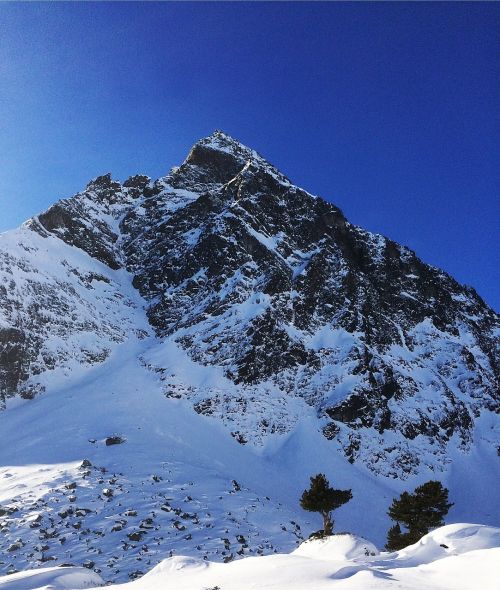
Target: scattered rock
114 440
130 513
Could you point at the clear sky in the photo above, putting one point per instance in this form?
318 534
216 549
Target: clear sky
391 111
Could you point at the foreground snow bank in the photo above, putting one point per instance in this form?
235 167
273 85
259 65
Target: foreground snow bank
52 578
453 539
337 548
454 557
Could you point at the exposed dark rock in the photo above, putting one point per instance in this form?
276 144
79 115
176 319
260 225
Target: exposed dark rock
114 440
13 363
96 241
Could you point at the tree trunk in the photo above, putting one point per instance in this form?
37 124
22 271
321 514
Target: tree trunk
327 524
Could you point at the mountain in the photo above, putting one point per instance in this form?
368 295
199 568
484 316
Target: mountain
234 333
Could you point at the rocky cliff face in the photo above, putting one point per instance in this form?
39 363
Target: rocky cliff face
270 286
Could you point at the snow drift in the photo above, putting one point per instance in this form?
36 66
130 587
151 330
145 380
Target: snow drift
454 557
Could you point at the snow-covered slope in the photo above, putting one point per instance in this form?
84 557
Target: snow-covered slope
456 557
179 483
240 335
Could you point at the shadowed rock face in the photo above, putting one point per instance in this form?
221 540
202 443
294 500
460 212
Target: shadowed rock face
248 272
13 364
78 225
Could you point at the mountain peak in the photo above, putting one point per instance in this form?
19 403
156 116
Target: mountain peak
220 157
221 141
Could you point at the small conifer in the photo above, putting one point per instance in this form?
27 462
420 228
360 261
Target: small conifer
418 512
320 497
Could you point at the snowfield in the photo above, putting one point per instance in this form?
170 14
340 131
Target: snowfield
454 557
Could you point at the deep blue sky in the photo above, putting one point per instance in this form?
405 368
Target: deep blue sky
391 111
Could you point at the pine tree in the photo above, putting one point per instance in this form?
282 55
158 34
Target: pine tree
320 497
418 512
394 538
